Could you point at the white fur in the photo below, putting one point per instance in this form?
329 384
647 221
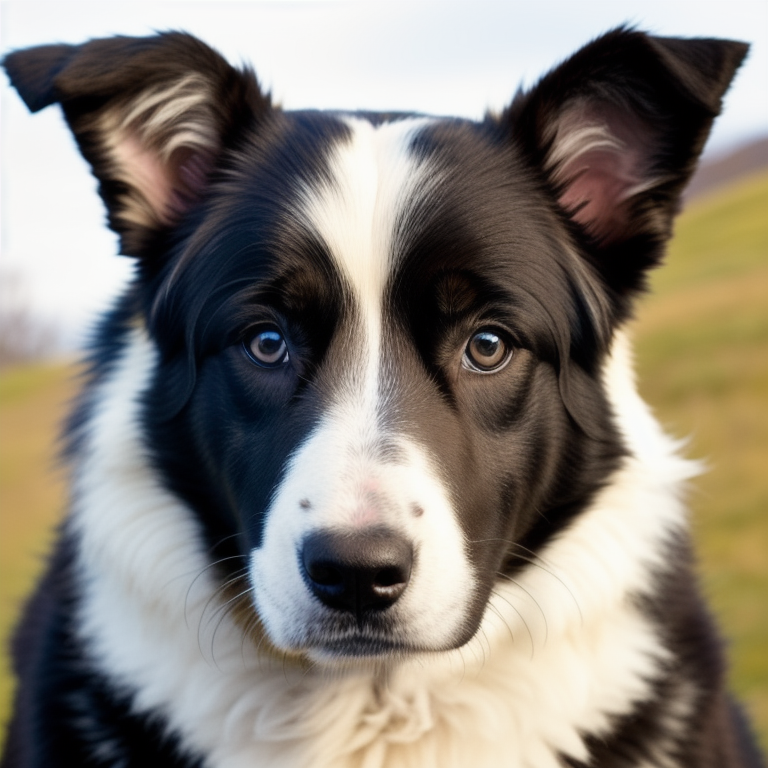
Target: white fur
374 178
560 651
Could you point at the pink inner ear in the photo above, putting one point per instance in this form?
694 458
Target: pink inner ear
142 169
600 183
169 186
600 161
190 171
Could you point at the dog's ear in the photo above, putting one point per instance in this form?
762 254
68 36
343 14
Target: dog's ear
616 131
151 115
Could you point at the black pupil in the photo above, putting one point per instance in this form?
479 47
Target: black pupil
487 349
268 347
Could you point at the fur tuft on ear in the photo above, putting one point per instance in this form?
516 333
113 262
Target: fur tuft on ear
598 161
616 131
151 115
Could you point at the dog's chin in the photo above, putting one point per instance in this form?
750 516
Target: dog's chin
344 648
364 654
356 652
334 642
363 650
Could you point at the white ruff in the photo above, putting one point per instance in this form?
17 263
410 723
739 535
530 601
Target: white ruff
560 651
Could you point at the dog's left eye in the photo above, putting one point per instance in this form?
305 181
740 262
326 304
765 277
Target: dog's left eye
486 352
267 348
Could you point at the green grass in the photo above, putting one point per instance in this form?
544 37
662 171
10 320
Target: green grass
702 354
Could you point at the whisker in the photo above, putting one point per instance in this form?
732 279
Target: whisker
217 593
522 618
503 620
227 608
536 602
200 573
229 602
537 561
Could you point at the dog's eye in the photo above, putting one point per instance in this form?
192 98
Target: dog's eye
486 352
267 348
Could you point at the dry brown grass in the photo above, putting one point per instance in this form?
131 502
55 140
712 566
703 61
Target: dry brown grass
32 404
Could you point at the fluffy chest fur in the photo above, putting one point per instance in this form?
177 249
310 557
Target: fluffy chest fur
360 476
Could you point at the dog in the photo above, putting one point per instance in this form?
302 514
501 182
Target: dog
359 475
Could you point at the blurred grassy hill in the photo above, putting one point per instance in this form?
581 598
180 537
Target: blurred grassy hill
702 359
33 401
702 354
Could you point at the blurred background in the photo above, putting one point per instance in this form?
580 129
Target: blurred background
702 335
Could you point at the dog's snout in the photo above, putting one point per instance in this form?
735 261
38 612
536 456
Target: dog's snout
357 572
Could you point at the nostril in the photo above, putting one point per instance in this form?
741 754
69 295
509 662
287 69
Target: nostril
388 577
324 574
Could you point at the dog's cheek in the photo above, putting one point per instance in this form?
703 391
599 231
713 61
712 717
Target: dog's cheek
224 452
515 424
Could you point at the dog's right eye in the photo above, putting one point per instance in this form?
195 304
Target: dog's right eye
267 348
486 352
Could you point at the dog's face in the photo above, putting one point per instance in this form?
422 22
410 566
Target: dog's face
380 339
377 407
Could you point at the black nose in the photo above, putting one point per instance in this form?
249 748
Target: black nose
357 572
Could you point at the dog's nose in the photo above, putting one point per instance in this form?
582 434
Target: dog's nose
358 572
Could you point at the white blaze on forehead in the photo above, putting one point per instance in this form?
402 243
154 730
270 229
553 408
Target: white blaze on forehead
375 177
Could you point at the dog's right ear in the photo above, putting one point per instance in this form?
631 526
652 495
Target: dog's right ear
151 115
615 132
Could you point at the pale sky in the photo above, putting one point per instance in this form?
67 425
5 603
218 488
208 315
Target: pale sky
457 57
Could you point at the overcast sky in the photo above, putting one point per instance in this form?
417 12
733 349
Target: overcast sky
457 57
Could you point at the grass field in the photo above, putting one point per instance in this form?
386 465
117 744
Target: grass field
702 341
32 402
702 354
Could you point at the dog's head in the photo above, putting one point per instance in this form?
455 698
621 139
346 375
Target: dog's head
380 338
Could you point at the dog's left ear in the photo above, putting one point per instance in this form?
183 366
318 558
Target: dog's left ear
616 131
153 116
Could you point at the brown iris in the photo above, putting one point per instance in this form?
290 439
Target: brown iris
486 352
267 348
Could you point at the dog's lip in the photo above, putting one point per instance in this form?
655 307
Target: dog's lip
359 645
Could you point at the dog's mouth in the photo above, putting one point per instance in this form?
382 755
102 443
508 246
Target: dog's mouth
330 635
359 646
339 635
